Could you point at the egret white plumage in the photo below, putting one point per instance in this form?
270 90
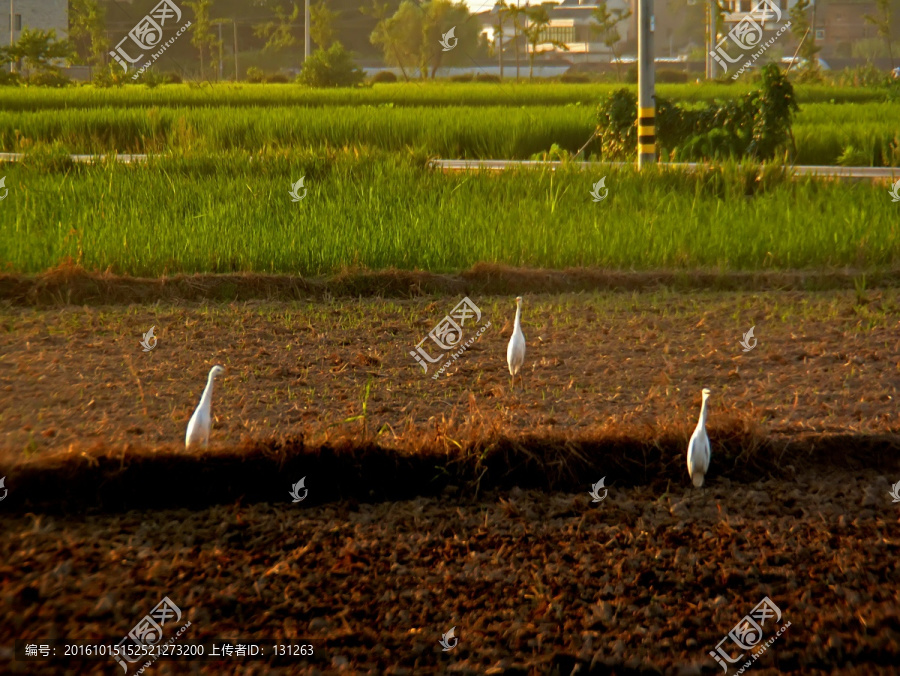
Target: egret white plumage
698 448
515 351
201 421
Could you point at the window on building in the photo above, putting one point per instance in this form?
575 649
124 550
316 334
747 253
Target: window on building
820 33
18 22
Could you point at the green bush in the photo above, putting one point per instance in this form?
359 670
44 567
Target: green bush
383 76
48 77
152 79
277 78
332 67
8 79
756 125
668 76
487 77
255 74
465 77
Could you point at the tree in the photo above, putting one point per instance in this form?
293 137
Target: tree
608 27
516 13
439 18
332 67
399 35
278 33
412 36
538 21
87 31
801 28
37 49
882 23
201 31
321 24
498 33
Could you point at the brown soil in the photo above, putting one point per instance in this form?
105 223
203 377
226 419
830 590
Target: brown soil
796 507
643 582
69 283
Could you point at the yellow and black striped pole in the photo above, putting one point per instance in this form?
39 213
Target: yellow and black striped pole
646 85
646 135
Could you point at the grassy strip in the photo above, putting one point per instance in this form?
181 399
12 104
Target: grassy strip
233 213
437 94
822 131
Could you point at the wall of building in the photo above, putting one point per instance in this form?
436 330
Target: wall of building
33 14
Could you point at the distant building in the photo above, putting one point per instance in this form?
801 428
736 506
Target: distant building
571 23
35 15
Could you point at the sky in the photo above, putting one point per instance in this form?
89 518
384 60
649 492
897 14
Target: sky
479 5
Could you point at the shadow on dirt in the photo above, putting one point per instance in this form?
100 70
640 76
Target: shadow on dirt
113 480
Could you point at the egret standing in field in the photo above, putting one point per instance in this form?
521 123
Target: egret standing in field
698 448
201 421
515 351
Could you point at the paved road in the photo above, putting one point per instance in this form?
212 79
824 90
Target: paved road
892 173
857 173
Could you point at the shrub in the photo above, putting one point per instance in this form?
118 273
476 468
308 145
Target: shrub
8 79
670 76
574 78
152 79
172 78
332 67
757 125
108 76
48 77
277 78
465 77
487 77
255 74
383 76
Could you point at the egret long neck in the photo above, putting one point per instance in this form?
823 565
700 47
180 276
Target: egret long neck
206 399
518 316
704 413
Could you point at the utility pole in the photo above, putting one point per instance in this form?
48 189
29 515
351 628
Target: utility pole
646 86
234 34
500 40
12 16
306 33
219 79
710 39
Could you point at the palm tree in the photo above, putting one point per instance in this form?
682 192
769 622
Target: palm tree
516 13
539 19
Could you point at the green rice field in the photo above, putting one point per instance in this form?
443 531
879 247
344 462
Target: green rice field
232 212
214 196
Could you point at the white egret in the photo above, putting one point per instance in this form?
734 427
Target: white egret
515 351
201 421
698 448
